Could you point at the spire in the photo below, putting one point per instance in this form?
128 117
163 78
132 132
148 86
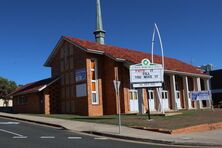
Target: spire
99 33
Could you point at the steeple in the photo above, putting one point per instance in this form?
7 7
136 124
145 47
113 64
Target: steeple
99 33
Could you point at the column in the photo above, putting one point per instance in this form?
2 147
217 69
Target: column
46 104
186 92
173 91
197 87
207 87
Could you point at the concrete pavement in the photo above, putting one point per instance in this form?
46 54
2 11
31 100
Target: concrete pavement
207 138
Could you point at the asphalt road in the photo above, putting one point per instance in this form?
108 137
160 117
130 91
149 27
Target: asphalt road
17 134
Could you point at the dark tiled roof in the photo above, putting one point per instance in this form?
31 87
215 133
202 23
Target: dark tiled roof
32 87
134 56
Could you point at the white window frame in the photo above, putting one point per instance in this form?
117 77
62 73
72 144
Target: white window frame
133 91
164 94
94 81
149 93
178 92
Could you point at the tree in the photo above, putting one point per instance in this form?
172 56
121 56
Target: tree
6 87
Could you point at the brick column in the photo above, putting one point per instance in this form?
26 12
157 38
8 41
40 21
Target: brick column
47 104
197 87
207 87
145 100
186 92
173 91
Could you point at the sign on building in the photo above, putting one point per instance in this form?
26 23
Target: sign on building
142 85
81 90
200 95
146 74
80 75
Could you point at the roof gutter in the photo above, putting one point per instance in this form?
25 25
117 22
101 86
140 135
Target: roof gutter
187 74
42 88
95 51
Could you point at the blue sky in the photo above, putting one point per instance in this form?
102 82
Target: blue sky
29 29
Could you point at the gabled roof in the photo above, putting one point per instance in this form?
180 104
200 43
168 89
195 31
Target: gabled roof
127 55
33 87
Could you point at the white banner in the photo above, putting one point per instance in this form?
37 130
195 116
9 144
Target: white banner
200 95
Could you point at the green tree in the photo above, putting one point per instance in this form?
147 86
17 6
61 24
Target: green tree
6 87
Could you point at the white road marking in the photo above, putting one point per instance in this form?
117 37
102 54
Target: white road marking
11 133
100 138
74 137
8 123
47 137
20 137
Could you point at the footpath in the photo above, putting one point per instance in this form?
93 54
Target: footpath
211 138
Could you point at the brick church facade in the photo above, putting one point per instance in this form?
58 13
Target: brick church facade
82 74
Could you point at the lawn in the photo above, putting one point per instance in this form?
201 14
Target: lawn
187 118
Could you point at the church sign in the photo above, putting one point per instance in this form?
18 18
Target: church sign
146 74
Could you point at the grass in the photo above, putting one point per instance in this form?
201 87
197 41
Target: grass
187 118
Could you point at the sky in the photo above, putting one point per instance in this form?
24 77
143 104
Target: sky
191 30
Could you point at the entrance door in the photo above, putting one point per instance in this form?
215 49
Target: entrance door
134 101
178 102
151 100
165 100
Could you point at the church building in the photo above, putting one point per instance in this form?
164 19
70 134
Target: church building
82 74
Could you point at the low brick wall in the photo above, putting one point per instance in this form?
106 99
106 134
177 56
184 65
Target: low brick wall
191 129
198 128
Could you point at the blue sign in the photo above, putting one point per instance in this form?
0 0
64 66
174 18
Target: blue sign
200 95
80 75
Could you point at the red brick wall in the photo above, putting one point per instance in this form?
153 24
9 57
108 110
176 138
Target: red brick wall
55 71
124 88
79 62
32 106
125 85
109 97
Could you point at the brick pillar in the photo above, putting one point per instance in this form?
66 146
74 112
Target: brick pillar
207 87
197 87
173 91
145 99
186 92
47 104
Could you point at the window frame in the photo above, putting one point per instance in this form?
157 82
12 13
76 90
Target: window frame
95 70
133 91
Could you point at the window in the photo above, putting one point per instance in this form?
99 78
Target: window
94 85
164 94
21 100
151 94
133 94
178 94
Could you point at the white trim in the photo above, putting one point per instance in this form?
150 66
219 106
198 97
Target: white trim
187 74
40 89
120 59
95 81
95 51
